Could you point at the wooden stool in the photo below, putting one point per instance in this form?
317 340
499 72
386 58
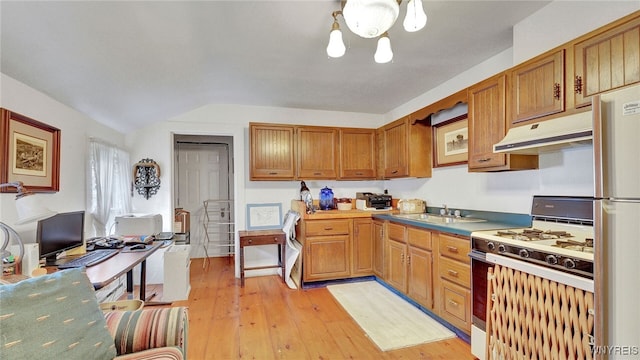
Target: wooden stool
263 237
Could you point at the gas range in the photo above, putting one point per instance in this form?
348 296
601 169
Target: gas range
560 238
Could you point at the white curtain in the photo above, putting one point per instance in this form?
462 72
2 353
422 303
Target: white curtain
108 184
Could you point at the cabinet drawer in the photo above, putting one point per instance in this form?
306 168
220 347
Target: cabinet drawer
327 227
455 271
395 232
419 238
456 305
455 248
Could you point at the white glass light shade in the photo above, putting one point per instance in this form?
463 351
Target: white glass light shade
29 209
336 46
416 18
383 52
370 18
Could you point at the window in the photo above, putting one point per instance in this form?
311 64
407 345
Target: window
108 185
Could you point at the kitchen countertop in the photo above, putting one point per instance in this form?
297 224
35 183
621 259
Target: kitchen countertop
494 220
464 229
299 206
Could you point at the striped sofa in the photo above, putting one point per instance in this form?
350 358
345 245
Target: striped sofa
57 316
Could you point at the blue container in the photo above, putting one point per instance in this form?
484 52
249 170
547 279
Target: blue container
326 199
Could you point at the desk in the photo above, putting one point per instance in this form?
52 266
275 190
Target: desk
124 262
263 237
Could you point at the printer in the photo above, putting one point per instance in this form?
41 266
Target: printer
371 201
135 225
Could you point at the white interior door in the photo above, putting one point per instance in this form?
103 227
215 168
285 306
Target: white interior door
203 174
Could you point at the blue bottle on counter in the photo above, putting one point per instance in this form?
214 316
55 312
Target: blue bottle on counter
326 199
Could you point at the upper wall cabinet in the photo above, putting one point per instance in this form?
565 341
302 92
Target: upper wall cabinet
406 148
488 125
357 154
317 155
271 152
537 87
607 60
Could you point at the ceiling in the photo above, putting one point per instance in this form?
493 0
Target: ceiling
128 64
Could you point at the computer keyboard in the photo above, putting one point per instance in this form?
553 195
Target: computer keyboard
89 259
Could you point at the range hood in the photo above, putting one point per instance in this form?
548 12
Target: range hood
547 135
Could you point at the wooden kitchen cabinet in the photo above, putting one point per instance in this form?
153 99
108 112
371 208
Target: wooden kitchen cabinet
537 87
357 154
454 281
488 125
410 262
317 152
607 59
396 253
363 247
272 155
406 148
378 248
420 283
327 245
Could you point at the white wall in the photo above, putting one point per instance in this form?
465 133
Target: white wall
76 128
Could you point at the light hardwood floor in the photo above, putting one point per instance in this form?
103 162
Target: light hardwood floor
267 320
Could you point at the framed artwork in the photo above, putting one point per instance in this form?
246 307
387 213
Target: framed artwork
264 216
451 142
30 152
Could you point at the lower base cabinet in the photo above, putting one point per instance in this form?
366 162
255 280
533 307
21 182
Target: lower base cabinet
337 248
410 262
432 268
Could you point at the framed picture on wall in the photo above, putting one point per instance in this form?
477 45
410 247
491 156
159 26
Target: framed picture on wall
264 216
30 152
451 142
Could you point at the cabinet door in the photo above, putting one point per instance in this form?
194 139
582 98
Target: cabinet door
357 154
396 270
487 123
326 257
378 249
420 276
317 152
395 149
607 61
537 88
363 248
271 152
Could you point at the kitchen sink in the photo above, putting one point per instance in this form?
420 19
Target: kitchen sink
438 219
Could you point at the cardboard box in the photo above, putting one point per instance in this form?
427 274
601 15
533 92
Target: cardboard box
181 221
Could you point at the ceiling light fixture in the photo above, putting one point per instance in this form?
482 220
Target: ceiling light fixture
373 18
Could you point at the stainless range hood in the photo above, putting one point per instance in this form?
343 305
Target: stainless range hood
547 135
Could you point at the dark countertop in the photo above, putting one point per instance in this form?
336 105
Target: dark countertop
495 220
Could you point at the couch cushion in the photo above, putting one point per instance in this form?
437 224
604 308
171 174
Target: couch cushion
55 316
148 328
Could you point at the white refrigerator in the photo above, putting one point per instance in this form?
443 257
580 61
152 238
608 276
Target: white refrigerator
616 144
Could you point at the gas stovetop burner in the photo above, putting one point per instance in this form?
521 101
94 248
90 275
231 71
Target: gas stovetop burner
586 246
534 234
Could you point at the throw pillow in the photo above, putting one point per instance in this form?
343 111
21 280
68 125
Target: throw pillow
55 316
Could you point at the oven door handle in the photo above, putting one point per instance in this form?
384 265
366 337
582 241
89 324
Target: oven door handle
479 255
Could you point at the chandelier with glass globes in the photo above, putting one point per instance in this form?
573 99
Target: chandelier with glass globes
373 18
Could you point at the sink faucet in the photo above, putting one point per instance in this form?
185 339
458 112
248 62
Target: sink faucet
445 210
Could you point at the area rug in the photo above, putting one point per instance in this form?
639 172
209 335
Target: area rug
387 319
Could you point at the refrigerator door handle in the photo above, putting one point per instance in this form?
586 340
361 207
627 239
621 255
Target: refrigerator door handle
597 146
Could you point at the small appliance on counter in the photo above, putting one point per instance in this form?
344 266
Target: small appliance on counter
371 201
412 206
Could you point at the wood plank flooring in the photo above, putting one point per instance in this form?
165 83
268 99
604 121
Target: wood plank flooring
267 320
